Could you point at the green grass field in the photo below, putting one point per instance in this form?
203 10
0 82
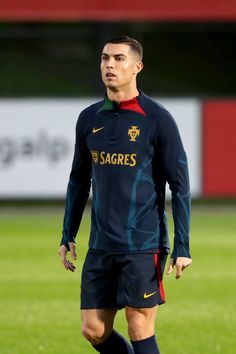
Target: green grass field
40 300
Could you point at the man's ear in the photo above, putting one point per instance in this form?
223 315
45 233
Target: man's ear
138 67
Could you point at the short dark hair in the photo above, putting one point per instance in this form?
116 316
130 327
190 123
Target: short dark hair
134 45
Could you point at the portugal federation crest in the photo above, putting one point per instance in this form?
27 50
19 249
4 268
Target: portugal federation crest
133 132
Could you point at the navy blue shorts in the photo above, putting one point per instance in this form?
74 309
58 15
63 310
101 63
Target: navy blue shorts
119 280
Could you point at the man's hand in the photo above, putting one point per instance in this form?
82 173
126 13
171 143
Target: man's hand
63 255
180 264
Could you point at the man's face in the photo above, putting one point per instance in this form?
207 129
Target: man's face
119 66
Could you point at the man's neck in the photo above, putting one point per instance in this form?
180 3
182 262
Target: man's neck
122 95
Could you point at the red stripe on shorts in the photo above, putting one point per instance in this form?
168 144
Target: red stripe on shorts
159 275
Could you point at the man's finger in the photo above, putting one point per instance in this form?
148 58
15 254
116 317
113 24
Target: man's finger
171 266
170 269
179 271
69 265
72 250
62 252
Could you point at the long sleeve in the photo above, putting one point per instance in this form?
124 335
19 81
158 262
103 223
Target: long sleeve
175 167
78 186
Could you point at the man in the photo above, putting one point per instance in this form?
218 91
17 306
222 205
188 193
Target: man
130 147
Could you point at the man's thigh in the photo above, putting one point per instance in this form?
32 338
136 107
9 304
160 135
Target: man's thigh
112 281
140 280
99 281
141 322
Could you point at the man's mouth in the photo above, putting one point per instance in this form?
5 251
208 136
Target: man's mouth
110 75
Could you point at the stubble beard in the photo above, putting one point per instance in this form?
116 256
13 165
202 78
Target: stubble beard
112 88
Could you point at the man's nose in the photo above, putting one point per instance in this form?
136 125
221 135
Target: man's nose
110 63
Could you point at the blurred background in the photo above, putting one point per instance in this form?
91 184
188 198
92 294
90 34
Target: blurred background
49 71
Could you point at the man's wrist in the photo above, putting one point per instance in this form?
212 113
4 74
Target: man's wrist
181 251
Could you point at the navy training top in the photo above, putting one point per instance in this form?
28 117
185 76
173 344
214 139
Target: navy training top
129 150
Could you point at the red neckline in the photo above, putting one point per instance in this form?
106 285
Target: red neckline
132 105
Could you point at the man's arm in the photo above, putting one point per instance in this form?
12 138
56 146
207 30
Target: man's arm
76 196
175 167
